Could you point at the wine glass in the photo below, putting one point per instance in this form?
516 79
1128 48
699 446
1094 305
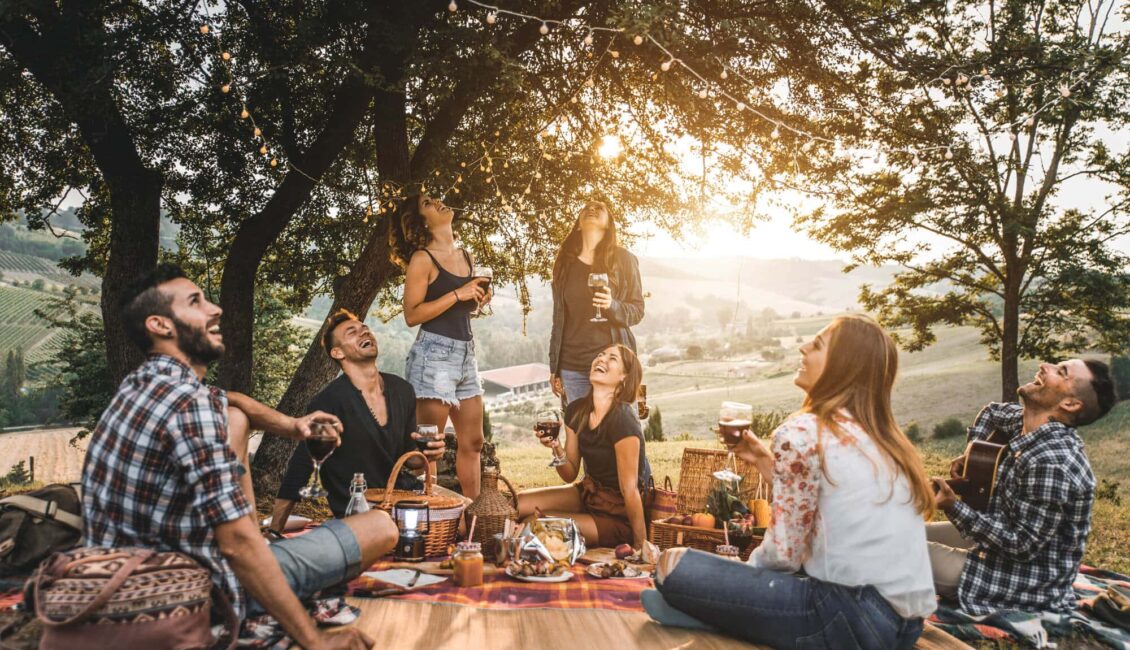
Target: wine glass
598 281
321 445
426 433
488 273
734 419
549 426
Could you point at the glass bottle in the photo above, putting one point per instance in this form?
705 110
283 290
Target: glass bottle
357 501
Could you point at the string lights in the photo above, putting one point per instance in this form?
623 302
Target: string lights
955 81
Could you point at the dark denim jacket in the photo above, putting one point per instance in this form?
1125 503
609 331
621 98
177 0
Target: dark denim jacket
626 309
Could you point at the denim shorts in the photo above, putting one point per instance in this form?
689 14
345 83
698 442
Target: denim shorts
443 368
319 559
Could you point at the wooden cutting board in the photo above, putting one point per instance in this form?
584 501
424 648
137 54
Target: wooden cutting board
432 568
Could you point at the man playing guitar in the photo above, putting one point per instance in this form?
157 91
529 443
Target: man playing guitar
1023 551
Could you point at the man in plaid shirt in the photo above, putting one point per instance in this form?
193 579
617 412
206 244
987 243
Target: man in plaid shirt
1024 552
166 469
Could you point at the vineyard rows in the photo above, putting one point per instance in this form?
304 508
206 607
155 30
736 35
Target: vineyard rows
10 261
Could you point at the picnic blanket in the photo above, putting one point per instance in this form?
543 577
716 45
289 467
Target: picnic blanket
503 592
1039 629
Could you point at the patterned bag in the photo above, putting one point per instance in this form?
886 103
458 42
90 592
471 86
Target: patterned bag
116 598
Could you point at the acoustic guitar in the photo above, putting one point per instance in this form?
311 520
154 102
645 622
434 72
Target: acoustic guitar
979 477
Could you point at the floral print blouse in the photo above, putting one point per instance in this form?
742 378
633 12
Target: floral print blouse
796 494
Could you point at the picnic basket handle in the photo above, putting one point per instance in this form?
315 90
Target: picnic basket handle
667 484
387 502
513 492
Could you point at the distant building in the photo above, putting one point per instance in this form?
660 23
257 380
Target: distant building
515 383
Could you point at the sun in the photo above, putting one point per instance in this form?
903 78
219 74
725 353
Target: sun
610 146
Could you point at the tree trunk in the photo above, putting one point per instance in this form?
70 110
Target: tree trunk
1010 376
69 55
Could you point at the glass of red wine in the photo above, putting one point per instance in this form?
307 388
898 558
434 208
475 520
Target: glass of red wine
426 433
548 427
321 445
488 273
734 419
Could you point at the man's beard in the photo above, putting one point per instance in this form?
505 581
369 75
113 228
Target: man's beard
194 343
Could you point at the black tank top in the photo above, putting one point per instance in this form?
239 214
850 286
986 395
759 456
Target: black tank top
455 323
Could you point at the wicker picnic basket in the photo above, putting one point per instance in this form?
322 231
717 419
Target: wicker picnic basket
443 510
695 482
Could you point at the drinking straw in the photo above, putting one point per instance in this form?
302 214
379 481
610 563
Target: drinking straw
726 532
471 533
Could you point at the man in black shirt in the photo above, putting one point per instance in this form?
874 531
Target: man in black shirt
378 414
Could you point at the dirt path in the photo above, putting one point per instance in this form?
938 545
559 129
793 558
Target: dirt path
56 460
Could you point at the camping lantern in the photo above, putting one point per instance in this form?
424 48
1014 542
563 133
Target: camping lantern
409 516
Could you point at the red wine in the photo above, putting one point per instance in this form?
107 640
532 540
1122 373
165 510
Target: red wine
730 431
320 447
548 430
423 440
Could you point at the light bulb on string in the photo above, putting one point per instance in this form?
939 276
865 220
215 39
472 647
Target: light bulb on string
949 153
226 56
1030 122
226 88
257 132
724 75
589 83
1064 91
666 65
776 132
452 7
204 29
588 38
491 18
638 40
702 94
274 163
615 53
243 115
740 106
263 150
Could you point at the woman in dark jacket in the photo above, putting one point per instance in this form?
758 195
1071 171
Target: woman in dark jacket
575 339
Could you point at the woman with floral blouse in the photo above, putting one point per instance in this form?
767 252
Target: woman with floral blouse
850 498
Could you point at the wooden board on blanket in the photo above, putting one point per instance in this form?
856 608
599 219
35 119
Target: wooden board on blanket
432 568
594 555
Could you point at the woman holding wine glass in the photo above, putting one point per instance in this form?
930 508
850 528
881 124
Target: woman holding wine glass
603 435
850 500
440 292
597 298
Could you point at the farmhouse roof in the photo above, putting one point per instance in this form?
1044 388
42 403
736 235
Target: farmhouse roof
513 376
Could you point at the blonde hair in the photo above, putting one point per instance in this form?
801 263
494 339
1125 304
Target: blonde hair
859 373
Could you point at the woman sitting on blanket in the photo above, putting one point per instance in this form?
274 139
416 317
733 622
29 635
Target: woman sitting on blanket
602 430
849 501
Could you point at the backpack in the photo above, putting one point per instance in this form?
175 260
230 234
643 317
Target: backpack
35 525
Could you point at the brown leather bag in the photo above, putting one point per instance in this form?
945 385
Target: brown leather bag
116 598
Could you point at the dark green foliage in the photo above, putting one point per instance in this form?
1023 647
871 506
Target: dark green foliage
16 476
949 428
695 352
1120 369
1108 490
653 432
913 432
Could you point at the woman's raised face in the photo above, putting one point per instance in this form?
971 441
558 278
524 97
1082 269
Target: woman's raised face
813 355
594 216
434 211
607 368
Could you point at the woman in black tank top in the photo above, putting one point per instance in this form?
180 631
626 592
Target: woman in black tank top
439 295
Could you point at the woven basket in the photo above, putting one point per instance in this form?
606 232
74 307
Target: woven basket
665 536
443 510
492 509
696 478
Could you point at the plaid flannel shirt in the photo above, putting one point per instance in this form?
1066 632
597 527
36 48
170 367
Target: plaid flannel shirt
1029 543
159 472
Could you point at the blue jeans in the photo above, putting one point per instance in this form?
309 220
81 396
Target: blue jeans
783 610
321 558
576 385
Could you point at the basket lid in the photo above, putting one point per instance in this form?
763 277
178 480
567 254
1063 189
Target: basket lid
434 501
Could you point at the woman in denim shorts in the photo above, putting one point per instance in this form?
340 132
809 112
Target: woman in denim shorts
439 295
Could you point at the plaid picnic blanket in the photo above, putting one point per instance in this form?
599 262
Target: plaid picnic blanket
500 591
1039 629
